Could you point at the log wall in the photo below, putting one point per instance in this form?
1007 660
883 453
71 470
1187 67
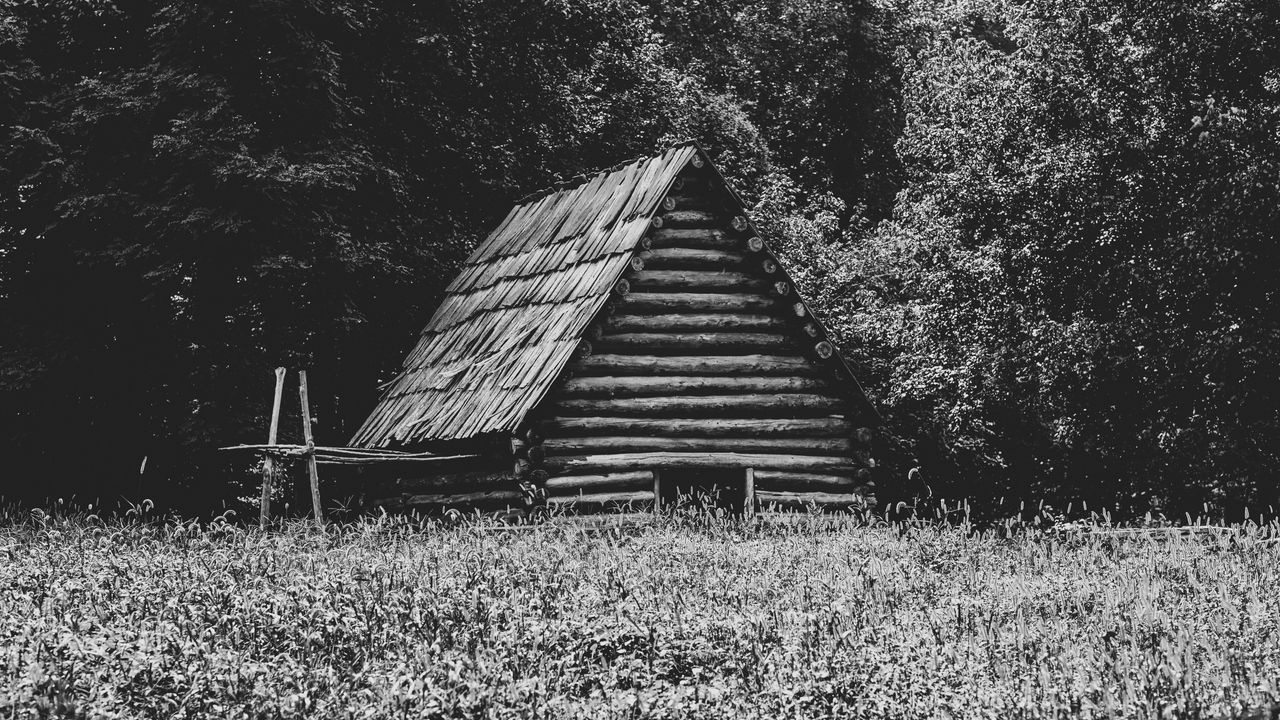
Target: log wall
706 361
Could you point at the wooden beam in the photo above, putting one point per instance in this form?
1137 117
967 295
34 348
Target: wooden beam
630 386
269 462
594 445
311 447
615 462
827 427
749 494
617 364
787 405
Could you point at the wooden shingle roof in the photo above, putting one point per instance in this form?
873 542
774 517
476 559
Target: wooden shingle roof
513 317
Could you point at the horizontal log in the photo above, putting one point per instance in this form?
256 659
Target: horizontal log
697 302
636 479
695 238
631 386
804 501
692 219
607 463
715 427
684 201
783 405
515 498
787 481
709 343
443 482
617 498
697 281
685 322
619 364
694 258
611 443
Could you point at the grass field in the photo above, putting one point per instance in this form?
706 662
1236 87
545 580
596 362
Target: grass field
674 618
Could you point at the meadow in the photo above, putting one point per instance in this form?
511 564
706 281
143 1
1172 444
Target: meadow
659 617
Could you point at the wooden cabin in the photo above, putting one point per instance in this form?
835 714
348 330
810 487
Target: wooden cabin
626 337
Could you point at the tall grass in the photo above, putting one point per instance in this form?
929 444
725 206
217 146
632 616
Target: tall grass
674 618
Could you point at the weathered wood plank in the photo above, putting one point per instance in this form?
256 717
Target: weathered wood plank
619 364
630 386
613 443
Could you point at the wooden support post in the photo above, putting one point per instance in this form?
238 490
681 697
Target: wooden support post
657 490
749 495
269 464
311 447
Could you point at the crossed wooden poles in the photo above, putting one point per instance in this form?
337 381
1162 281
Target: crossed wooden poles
269 463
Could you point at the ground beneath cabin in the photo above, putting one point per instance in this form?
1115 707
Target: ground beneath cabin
661 618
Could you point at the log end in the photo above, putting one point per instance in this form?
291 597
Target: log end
755 244
739 223
824 350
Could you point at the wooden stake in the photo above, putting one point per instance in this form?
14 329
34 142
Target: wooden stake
311 447
269 463
749 495
657 491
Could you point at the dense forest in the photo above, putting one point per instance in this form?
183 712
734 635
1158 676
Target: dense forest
1044 231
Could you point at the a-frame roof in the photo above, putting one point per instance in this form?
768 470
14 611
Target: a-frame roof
511 320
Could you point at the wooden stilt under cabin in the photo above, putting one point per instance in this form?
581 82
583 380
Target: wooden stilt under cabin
626 339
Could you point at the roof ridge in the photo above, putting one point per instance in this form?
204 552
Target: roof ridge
583 178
